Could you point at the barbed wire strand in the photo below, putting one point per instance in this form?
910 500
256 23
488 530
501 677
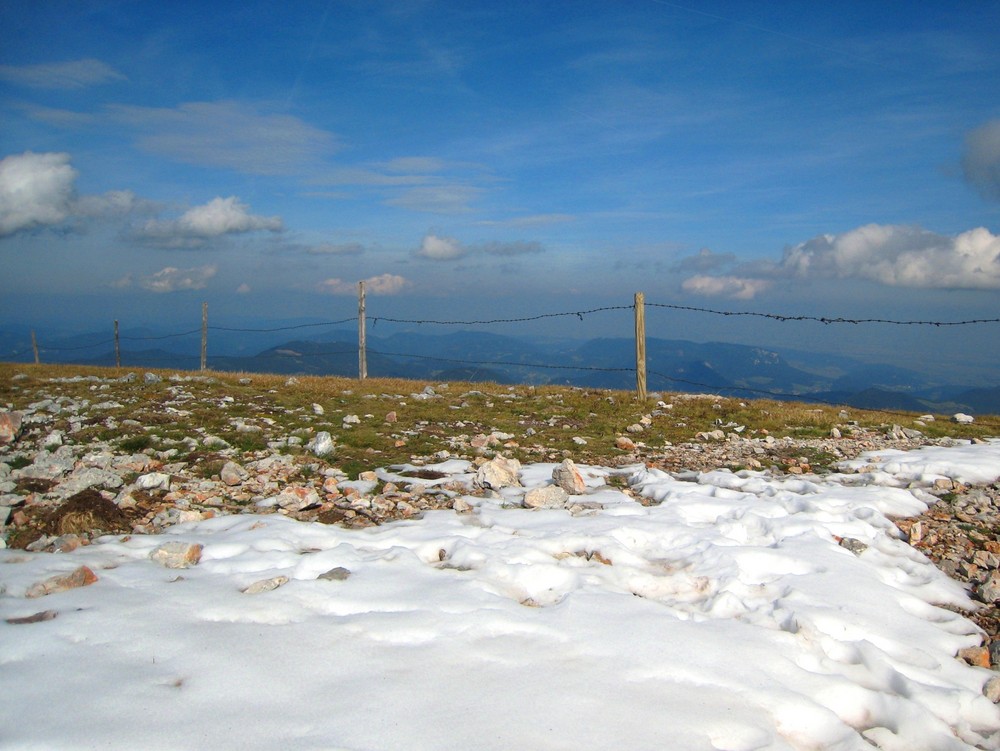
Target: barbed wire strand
578 313
820 319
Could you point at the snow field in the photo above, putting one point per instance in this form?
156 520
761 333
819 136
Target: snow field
727 617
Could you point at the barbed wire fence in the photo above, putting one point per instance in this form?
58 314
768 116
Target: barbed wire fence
362 351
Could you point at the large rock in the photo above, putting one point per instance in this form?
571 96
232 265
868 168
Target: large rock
499 472
551 496
567 476
233 474
321 444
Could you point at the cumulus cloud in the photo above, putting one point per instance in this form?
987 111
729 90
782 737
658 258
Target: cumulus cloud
739 288
35 190
218 217
76 74
981 159
900 256
229 134
704 261
171 279
243 289
438 248
384 284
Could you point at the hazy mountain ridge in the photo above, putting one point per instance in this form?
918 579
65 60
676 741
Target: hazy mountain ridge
676 365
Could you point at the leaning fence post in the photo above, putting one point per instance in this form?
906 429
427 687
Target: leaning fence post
640 346
362 338
204 336
34 346
118 352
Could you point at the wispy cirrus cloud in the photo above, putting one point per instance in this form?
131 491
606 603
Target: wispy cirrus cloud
74 74
230 134
437 199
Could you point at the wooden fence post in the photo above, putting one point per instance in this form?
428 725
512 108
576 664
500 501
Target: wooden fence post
34 346
118 351
640 346
362 337
204 336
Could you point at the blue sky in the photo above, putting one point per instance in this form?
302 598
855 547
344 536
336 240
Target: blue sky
478 159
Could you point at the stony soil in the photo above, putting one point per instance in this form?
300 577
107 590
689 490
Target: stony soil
57 492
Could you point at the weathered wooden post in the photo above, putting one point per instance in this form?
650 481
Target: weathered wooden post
362 341
204 336
34 346
118 352
640 346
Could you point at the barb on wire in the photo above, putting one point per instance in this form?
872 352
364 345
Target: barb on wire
819 319
578 313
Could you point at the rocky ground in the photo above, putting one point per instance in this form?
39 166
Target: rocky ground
61 486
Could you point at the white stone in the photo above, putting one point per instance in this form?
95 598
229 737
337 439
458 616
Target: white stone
567 476
499 472
153 481
551 496
318 409
321 444
962 418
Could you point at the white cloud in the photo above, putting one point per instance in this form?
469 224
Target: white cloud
35 190
220 216
171 279
233 135
384 284
76 74
981 159
900 256
243 289
739 288
438 248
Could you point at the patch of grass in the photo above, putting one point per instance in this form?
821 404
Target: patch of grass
135 443
17 462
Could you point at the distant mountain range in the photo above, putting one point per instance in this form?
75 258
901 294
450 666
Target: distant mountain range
672 365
